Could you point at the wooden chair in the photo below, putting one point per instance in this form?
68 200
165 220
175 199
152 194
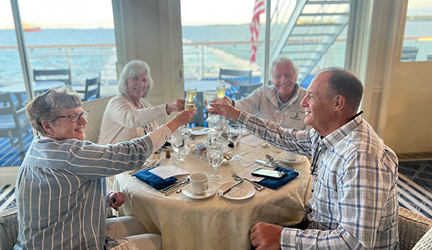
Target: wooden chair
92 88
14 122
63 75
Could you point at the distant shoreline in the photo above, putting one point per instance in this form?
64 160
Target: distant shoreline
419 18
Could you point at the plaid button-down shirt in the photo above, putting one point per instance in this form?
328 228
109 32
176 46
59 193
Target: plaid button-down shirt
354 201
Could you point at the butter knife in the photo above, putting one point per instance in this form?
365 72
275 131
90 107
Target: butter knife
159 163
231 188
264 163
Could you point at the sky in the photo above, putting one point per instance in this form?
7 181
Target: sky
98 13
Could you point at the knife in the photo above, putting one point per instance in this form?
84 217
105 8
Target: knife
174 185
159 163
231 188
264 163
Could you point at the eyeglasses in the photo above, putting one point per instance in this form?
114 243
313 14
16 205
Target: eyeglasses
75 117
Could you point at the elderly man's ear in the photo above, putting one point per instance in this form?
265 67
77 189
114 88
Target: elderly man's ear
339 102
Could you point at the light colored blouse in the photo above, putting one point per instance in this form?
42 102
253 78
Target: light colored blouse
122 121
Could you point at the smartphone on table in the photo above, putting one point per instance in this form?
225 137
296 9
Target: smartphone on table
268 173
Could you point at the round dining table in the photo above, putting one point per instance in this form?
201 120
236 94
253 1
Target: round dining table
215 222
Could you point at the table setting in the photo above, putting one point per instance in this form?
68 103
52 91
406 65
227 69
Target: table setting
205 196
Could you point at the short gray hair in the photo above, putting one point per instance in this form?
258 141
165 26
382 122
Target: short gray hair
47 107
135 67
279 60
344 82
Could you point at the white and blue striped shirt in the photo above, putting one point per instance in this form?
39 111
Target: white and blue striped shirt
61 190
354 201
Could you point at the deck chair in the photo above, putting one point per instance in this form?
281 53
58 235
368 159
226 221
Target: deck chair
14 122
409 53
236 77
245 90
63 75
92 89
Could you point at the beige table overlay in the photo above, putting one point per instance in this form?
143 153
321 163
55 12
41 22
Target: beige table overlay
215 222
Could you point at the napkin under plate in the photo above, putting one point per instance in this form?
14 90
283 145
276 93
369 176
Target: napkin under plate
154 180
275 184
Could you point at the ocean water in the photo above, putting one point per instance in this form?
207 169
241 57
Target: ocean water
199 61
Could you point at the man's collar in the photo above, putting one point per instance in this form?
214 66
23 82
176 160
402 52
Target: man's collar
333 138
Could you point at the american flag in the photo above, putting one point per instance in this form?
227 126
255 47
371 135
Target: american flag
259 8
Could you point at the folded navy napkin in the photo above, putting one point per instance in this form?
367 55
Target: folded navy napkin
275 184
154 180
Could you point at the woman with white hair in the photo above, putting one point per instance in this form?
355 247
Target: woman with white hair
128 115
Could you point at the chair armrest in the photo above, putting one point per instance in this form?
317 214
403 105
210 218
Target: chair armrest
8 228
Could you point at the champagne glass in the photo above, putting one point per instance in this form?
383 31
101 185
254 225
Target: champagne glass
214 155
191 92
177 143
234 135
220 89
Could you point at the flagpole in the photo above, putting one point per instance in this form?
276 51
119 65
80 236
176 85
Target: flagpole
267 41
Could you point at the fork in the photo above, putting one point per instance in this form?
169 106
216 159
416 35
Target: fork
267 146
254 184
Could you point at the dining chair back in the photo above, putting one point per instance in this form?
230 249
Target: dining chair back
236 77
92 88
97 109
14 122
63 75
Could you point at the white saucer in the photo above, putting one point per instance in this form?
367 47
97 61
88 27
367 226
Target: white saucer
301 158
241 192
200 132
187 191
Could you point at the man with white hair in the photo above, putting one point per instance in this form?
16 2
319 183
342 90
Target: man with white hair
280 102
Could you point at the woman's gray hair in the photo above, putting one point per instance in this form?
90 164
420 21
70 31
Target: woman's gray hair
47 107
279 60
133 68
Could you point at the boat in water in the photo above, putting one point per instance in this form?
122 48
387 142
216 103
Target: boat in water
30 28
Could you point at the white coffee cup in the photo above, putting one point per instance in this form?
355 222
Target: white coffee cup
290 156
199 183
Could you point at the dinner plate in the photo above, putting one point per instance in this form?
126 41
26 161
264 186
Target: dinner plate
300 159
187 191
240 192
200 132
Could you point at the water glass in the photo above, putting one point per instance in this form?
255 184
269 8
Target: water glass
214 155
209 96
178 139
234 135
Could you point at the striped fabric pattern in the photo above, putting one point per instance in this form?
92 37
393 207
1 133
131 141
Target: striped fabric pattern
354 198
61 192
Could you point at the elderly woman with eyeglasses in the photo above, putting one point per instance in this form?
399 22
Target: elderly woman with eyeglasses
61 189
127 114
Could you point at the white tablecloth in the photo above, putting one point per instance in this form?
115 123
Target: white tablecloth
215 222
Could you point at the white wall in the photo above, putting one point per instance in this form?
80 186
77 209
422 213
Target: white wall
409 123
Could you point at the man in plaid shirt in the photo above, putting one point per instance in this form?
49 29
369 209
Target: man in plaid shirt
354 198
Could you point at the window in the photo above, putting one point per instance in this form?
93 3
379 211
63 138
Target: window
76 36
417 44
